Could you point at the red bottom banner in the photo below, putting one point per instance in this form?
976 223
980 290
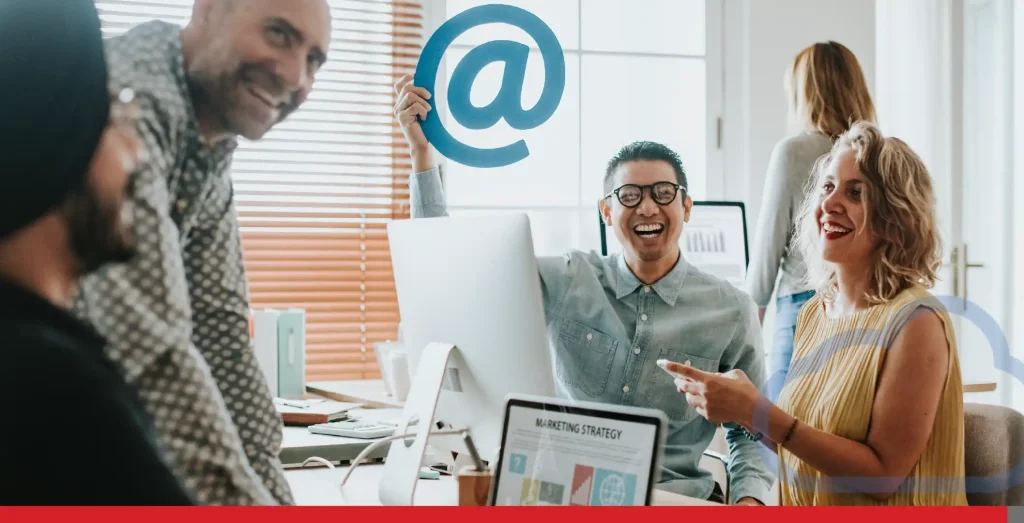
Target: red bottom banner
502 514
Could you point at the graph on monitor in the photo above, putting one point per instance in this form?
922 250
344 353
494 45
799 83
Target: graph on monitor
704 240
715 240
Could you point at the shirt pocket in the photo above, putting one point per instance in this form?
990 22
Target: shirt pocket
585 357
663 394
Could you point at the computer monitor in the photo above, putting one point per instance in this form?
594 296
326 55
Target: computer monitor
714 240
473 282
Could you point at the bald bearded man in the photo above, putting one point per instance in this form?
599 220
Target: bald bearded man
177 315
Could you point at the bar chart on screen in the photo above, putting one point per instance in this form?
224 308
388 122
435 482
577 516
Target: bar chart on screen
582 483
704 240
714 241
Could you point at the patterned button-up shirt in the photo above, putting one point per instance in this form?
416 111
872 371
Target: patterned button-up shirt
608 329
177 316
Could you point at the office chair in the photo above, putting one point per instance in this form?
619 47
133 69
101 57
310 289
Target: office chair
994 441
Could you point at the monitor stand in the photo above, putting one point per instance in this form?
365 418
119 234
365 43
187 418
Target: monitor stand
405 457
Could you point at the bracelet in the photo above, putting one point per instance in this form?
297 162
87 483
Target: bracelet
789 433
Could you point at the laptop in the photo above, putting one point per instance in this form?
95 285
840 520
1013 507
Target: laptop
558 452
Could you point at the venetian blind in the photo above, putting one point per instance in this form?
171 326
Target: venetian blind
314 196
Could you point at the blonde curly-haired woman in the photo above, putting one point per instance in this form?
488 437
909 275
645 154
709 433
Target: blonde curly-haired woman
827 93
872 412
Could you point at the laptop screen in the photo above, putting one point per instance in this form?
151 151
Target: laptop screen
566 456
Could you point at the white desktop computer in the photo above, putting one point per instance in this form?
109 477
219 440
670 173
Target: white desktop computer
470 300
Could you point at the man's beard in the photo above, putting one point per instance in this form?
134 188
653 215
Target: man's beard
96 231
216 92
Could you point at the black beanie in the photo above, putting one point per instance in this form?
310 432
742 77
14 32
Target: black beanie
54 104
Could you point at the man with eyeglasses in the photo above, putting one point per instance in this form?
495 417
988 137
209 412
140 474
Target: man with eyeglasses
636 308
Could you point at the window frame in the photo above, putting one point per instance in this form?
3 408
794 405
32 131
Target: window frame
313 197
435 14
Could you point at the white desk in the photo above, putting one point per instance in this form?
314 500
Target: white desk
298 445
316 485
319 487
311 486
372 394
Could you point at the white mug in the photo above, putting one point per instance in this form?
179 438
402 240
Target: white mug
398 371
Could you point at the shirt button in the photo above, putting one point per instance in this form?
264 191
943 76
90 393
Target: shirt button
687 363
647 290
643 317
590 337
625 389
636 350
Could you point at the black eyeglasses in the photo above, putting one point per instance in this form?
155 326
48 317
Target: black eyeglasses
663 193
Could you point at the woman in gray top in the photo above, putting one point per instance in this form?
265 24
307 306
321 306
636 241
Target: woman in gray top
827 94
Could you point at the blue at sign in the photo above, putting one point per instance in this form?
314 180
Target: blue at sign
508 103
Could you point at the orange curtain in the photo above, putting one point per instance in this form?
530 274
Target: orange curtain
315 197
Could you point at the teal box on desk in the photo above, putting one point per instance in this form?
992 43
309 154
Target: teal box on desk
291 354
279 341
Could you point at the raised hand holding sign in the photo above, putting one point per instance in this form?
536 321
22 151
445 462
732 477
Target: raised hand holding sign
411 109
420 121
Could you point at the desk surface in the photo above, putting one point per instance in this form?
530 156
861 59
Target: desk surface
319 487
370 393
299 444
979 387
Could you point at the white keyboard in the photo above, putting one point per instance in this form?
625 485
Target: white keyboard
354 429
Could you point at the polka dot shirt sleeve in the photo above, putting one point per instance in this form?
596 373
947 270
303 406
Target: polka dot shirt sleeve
220 306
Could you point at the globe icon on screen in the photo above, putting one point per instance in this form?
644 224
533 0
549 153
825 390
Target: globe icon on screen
613 491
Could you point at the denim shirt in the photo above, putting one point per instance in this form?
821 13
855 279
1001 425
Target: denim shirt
608 329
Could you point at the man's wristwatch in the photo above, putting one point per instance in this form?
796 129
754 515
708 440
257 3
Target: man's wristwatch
752 437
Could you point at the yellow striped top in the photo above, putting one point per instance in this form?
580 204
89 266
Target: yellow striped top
831 387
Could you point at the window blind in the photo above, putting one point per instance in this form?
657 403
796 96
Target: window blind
315 195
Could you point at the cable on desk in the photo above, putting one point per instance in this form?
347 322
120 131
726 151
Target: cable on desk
375 444
319 460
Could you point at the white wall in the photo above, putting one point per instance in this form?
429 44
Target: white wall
761 37
1018 185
